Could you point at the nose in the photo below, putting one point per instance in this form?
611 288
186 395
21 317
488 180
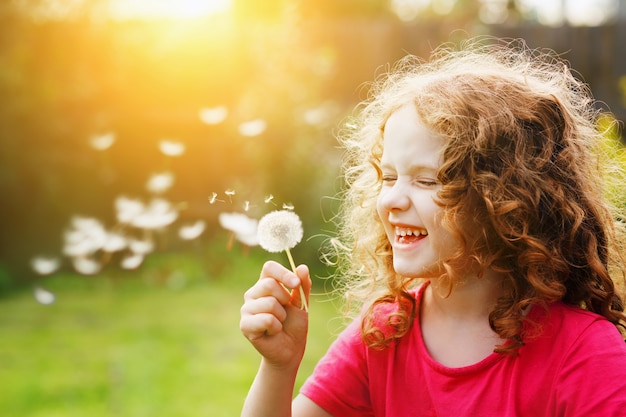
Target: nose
395 197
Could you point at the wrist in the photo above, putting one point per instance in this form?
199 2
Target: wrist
288 370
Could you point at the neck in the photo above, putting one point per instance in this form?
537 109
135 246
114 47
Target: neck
462 315
474 298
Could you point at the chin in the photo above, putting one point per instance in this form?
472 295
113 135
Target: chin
433 271
404 271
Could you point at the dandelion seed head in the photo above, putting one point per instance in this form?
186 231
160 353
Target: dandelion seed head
279 230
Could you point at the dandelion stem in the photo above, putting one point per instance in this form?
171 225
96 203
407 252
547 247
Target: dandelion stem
305 307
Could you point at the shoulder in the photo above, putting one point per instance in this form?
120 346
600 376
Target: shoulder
571 323
589 359
567 336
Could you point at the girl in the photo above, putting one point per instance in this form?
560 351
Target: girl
479 241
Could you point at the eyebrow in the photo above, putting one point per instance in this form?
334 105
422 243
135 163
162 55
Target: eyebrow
413 169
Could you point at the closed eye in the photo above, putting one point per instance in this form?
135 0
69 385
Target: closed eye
427 183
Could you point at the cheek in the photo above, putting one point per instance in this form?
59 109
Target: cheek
443 239
380 209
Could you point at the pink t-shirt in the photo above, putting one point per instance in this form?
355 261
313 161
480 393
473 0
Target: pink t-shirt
575 367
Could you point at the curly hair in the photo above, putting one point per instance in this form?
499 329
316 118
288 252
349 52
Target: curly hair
522 164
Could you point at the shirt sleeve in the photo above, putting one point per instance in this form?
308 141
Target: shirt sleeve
339 383
592 378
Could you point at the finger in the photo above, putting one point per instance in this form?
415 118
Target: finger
268 287
303 274
304 288
264 305
256 326
272 269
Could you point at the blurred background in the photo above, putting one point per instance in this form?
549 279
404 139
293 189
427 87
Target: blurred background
141 140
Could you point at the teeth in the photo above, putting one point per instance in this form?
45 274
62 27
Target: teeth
410 232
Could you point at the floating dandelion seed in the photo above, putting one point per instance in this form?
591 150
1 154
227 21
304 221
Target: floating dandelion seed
85 237
115 242
318 116
171 147
230 193
280 231
192 231
102 142
160 182
86 266
214 198
45 265
288 206
252 127
213 115
132 261
158 214
268 199
249 240
241 228
141 246
43 296
127 209
246 206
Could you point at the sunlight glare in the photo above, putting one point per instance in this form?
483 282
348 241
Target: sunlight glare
167 9
408 10
574 12
595 13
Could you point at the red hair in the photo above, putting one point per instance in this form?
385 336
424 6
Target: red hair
520 165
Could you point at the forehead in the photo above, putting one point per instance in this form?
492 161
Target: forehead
407 141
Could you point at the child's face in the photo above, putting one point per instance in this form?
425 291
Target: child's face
411 157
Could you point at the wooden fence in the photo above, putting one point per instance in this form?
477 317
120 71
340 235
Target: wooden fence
364 47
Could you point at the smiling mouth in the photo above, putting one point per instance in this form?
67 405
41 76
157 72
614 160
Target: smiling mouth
408 235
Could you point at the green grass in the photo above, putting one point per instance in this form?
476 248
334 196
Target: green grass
164 341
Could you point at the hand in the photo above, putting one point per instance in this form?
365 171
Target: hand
271 316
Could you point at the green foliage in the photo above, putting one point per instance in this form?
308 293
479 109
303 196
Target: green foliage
614 152
6 282
65 81
138 345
